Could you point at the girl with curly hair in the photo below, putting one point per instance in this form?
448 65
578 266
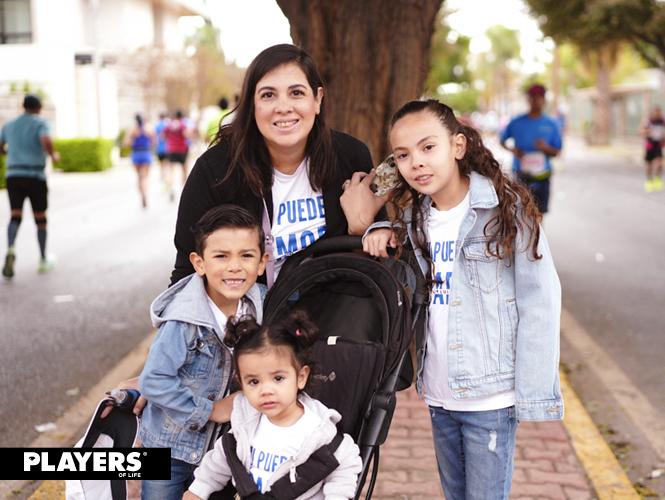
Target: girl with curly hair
489 357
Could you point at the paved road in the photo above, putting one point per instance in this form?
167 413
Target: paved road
607 238
63 331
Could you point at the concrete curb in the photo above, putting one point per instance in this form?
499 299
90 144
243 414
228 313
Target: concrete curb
601 466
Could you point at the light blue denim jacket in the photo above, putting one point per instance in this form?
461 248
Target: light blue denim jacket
503 328
187 370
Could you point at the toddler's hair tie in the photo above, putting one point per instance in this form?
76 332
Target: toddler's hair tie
298 332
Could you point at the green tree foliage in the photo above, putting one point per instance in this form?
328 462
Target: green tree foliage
212 77
505 44
448 55
593 26
500 66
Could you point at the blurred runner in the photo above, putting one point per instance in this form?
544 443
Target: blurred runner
142 138
537 139
653 130
28 140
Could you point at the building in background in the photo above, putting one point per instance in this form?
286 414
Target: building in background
69 50
631 102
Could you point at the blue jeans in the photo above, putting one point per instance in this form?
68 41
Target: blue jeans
475 452
182 475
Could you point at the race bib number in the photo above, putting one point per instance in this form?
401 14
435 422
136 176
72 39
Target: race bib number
656 132
533 163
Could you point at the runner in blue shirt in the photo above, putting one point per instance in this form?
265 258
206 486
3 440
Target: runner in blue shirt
537 139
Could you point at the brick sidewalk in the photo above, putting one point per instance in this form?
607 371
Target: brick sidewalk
545 464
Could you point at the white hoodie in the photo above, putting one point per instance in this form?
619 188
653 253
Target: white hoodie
214 472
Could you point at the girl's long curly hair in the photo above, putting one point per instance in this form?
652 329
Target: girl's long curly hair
516 213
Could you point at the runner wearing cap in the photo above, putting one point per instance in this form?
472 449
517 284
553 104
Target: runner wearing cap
537 139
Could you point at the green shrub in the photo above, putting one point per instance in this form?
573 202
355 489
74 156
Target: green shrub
84 155
125 151
3 183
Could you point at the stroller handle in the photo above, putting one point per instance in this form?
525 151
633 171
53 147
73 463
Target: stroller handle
334 244
348 242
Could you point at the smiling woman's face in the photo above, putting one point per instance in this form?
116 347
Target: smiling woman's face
285 108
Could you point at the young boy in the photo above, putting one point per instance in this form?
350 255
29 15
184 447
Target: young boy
189 369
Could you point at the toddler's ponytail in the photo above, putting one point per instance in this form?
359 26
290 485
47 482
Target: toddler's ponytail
295 331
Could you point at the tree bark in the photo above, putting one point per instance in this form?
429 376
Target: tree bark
602 113
373 54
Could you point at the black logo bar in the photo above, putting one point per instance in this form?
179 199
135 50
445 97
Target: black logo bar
86 463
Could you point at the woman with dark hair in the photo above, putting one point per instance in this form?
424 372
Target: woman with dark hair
279 159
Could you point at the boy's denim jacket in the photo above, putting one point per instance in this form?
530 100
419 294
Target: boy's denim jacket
503 328
187 370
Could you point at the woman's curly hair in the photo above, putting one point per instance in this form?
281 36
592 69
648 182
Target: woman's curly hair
517 212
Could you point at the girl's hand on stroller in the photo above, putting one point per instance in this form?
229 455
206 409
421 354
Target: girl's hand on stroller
132 383
376 242
221 410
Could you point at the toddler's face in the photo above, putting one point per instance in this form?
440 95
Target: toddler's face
270 383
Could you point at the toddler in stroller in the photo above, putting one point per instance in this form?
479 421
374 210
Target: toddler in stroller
278 432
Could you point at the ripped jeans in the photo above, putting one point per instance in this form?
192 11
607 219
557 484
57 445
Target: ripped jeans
475 452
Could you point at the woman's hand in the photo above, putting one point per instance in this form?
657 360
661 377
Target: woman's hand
132 383
190 496
359 203
376 242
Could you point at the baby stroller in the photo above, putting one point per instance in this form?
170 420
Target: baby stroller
367 311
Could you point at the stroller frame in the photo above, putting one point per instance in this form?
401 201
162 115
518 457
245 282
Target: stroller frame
403 311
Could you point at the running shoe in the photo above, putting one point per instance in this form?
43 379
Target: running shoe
657 184
8 270
46 264
648 186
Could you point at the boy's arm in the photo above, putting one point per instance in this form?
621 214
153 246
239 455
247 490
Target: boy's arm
160 384
221 411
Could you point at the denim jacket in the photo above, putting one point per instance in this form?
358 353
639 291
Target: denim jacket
503 327
187 370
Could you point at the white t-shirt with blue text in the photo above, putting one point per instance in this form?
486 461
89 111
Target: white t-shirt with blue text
443 228
299 218
273 445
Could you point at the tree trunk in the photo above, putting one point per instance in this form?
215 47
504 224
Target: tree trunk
373 54
602 112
